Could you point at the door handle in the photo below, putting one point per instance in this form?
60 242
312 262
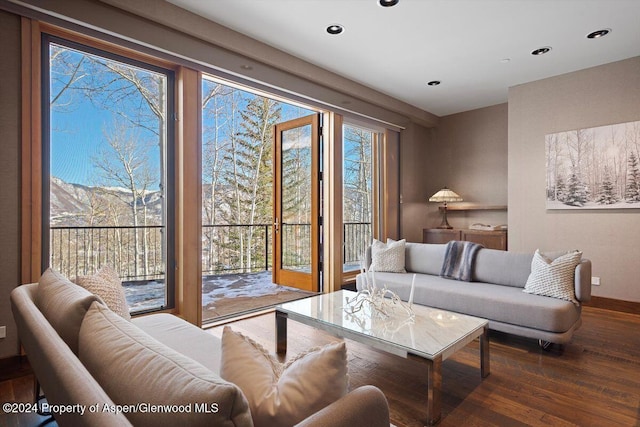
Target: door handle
276 225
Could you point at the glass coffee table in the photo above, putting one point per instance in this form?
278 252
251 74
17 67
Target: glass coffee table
432 335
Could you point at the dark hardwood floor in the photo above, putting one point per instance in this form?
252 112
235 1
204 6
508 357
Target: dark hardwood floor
593 381
20 389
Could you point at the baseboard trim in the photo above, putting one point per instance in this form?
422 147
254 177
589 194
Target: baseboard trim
614 305
14 367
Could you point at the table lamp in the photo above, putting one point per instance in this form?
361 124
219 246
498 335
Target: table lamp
445 195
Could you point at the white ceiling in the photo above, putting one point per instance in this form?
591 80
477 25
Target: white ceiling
462 43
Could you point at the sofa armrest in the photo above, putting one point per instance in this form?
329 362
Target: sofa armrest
364 406
583 281
64 379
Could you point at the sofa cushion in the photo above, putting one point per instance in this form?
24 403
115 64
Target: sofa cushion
506 304
424 258
553 278
107 285
388 256
173 332
134 368
64 304
502 268
284 395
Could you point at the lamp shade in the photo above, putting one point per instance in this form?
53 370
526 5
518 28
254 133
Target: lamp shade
445 195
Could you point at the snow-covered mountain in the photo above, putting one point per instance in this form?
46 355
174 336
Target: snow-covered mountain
81 205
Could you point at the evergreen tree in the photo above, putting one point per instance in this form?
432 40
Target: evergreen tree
632 191
560 190
607 194
577 194
249 177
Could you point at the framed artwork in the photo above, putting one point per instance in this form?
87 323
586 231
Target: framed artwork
594 168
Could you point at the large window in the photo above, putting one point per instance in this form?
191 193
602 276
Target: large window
107 135
358 193
100 189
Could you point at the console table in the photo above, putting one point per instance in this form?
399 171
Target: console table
489 239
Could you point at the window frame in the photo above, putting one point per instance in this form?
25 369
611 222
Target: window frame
36 37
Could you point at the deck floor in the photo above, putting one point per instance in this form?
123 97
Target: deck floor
222 295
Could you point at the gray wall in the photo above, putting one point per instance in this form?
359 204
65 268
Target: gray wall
495 155
466 152
596 96
416 152
472 161
9 175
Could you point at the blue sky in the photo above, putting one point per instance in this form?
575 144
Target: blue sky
76 137
79 126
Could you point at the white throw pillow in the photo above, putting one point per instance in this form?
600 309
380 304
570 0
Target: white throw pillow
283 394
388 257
107 285
553 278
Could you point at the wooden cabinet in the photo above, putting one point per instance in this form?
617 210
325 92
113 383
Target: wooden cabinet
488 239
439 235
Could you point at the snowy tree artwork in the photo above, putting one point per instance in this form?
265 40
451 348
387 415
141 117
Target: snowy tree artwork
594 168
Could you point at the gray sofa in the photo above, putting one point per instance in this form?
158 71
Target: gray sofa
53 344
495 292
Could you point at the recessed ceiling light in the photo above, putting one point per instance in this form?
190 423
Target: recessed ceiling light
246 67
388 3
599 33
335 29
541 51
434 83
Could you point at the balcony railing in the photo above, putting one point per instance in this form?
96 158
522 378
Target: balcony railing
356 237
236 248
137 253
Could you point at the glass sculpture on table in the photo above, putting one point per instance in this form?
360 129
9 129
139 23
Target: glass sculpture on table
382 301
